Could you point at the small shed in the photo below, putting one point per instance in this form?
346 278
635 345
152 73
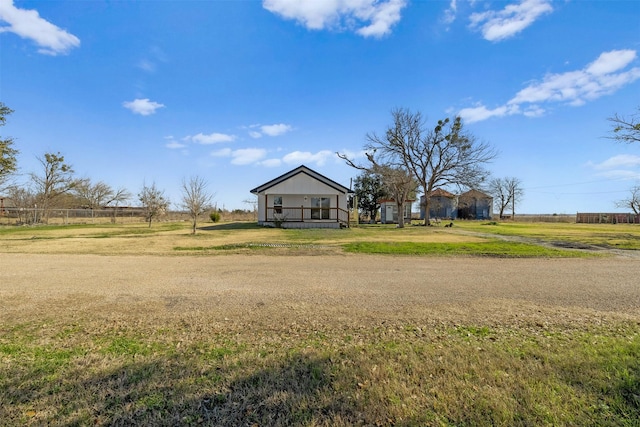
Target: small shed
302 198
389 211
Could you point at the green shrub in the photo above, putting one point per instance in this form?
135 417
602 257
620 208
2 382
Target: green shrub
215 216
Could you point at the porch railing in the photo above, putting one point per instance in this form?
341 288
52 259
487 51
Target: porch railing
306 214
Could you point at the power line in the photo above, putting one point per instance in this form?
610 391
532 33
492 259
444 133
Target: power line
578 183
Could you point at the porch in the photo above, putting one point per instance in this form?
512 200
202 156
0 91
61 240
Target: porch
305 217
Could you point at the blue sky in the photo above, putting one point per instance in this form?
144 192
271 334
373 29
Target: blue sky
239 92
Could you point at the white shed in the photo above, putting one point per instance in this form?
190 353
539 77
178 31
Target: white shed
302 198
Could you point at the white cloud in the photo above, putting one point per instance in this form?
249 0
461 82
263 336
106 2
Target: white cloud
450 14
369 18
603 76
29 25
257 156
173 144
243 156
246 156
619 161
609 62
306 157
479 113
275 130
212 138
620 167
514 18
144 107
269 130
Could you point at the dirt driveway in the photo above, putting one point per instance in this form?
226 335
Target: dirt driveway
321 288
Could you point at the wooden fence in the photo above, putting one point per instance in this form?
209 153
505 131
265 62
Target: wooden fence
607 218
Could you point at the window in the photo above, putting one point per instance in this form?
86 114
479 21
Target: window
320 207
277 204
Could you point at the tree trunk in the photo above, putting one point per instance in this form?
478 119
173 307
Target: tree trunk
427 206
400 215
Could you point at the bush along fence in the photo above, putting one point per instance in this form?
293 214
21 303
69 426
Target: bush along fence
607 218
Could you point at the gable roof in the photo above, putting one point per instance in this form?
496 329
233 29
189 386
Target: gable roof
302 169
475 194
439 192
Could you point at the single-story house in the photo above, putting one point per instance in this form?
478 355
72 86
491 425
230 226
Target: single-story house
389 211
475 204
441 205
302 198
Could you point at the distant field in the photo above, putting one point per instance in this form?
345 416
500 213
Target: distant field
240 325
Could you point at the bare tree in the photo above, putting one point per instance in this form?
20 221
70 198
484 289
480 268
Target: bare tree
399 183
444 155
23 199
633 201
8 162
56 180
195 199
626 129
93 196
120 195
506 193
99 195
153 201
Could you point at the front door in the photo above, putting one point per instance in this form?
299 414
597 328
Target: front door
389 217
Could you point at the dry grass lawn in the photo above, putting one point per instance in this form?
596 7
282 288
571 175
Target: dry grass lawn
112 331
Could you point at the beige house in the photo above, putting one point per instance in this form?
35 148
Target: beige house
302 198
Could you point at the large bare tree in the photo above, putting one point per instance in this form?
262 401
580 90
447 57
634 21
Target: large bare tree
506 193
8 161
633 201
441 156
153 201
626 129
195 199
55 181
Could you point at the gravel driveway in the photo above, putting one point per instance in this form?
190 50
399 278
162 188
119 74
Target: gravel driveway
304 287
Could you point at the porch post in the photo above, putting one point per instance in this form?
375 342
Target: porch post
302 213
266 209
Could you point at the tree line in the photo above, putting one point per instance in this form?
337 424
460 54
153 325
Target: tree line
55 185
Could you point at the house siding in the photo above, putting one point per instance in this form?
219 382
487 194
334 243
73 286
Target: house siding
298 188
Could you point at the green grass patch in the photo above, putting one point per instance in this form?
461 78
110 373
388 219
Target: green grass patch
400 374
488 249
619 236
